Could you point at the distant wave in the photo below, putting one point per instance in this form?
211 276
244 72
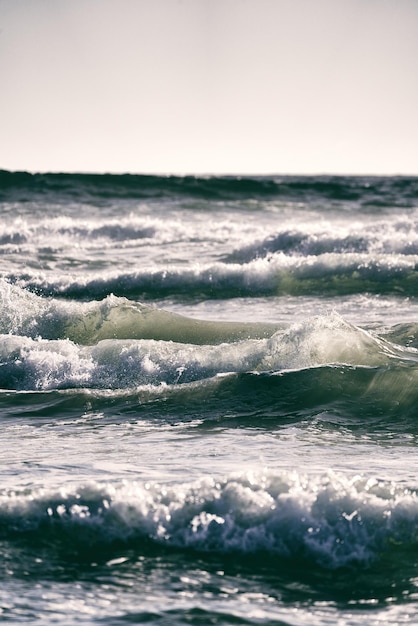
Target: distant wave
331 521
66 230
390 235
275 274
369 191
304 235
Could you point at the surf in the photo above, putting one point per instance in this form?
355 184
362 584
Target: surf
330 521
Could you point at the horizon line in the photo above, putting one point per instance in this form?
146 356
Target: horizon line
182 174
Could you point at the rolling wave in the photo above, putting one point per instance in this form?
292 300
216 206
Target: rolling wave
119 352
360 399
332 521
117 344
27 314
277 274
115 347
66 230
306 234
391 236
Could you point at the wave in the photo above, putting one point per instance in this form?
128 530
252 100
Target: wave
27 314
30 233
66 230
39 363
333 520
394 235
302 235
360 399
322 364
124 353
28 364
277 274
368 191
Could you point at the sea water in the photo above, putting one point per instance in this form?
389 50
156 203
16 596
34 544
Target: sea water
209 400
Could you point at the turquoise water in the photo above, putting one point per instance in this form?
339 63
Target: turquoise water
208 400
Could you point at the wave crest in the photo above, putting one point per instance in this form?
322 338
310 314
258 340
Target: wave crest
331 520
277 274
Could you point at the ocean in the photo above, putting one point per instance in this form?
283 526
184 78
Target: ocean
208 400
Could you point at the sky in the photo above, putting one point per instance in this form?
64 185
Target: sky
209 86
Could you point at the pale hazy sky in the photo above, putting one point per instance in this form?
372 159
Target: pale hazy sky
209 86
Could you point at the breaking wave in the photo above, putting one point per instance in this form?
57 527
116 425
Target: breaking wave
278 274
331 520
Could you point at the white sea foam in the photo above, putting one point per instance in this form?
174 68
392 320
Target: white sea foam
395 235
64 232
303 233
333 520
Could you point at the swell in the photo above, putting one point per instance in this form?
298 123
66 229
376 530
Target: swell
369 191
